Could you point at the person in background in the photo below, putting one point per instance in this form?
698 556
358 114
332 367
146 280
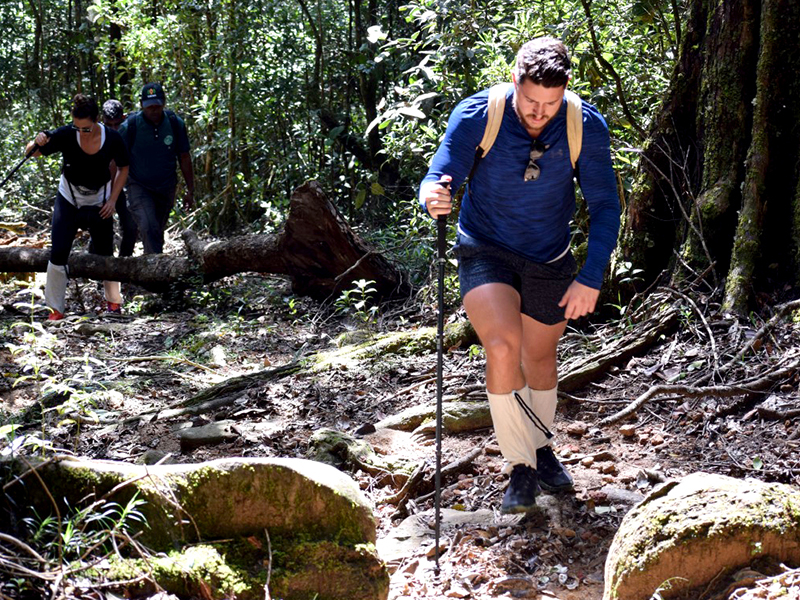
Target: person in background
87 194
157 143
113 115
516 271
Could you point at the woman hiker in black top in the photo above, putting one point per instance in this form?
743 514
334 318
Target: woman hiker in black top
86 194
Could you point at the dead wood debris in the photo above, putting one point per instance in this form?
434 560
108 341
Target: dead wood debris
786 367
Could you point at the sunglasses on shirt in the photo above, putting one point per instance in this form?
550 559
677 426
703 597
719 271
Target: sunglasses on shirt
533 170
83 129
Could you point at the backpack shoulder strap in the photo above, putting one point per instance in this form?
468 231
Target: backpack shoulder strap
130 132
574 125
494 113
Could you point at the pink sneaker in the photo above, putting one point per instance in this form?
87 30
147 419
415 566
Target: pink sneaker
114 308
55 315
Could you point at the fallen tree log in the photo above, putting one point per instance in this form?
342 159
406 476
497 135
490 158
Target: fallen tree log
317 250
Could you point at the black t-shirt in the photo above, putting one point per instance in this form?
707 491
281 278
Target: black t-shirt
87 170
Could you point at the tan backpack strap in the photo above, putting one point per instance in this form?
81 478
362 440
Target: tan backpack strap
574 126
494 113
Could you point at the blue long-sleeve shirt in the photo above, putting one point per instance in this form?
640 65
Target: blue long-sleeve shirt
531 218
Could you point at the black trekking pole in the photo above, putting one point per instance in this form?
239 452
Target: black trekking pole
33 149
441 249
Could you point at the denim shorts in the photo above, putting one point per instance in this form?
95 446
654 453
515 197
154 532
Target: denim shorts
540 285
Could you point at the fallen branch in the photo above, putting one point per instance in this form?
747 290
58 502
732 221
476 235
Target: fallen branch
317 250
720 391
643 336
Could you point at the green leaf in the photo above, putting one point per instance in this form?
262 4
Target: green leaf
360 198
377 189
375 34
758 464
411 111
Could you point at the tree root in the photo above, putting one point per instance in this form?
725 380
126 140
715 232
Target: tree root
722 391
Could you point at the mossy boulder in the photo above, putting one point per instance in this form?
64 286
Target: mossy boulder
354 350
684 535
297 502
457 417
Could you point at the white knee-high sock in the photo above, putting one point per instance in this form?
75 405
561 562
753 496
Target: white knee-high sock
543 403
518 429
55 287
111 292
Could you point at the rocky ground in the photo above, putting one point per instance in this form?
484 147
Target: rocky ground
103 380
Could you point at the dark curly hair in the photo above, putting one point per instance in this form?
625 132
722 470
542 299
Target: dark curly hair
545 61
85 107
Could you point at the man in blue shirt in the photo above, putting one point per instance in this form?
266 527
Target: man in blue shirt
516 271
157 141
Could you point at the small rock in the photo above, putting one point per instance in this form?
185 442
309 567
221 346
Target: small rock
577 428
207 435
218 357
618 495
657 439
608 469
517 544
152 457
492 450
628 430
605 455
564 532
587 461
365 429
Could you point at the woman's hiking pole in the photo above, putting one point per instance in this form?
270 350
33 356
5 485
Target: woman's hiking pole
33 149
441 250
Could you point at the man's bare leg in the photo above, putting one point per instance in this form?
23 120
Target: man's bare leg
493 310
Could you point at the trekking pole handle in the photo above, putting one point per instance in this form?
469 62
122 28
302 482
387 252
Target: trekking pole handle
441 225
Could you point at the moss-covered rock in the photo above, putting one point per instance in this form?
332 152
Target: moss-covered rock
688 534
296 568
297 502
343 451
457 417
403 343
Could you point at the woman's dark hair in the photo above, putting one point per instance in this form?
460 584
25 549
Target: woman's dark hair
84 107
545 61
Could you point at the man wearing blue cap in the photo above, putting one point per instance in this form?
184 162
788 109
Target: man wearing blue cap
157 142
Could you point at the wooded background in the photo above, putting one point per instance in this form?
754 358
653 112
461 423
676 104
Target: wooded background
700 99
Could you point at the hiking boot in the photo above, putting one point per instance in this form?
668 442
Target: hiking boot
552 475
521 493
113 308
55 315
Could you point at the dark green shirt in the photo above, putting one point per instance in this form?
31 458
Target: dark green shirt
154 151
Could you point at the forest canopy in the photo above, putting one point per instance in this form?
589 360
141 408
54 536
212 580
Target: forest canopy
352 94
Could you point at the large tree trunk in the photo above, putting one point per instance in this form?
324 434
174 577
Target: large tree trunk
317 250
719 172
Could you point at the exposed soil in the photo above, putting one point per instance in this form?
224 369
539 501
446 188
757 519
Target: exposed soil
158 354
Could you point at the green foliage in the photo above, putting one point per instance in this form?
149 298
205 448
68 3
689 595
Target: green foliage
359 302
352 94
97 528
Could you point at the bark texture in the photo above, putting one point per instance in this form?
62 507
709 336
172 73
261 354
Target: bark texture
719 171
320 253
